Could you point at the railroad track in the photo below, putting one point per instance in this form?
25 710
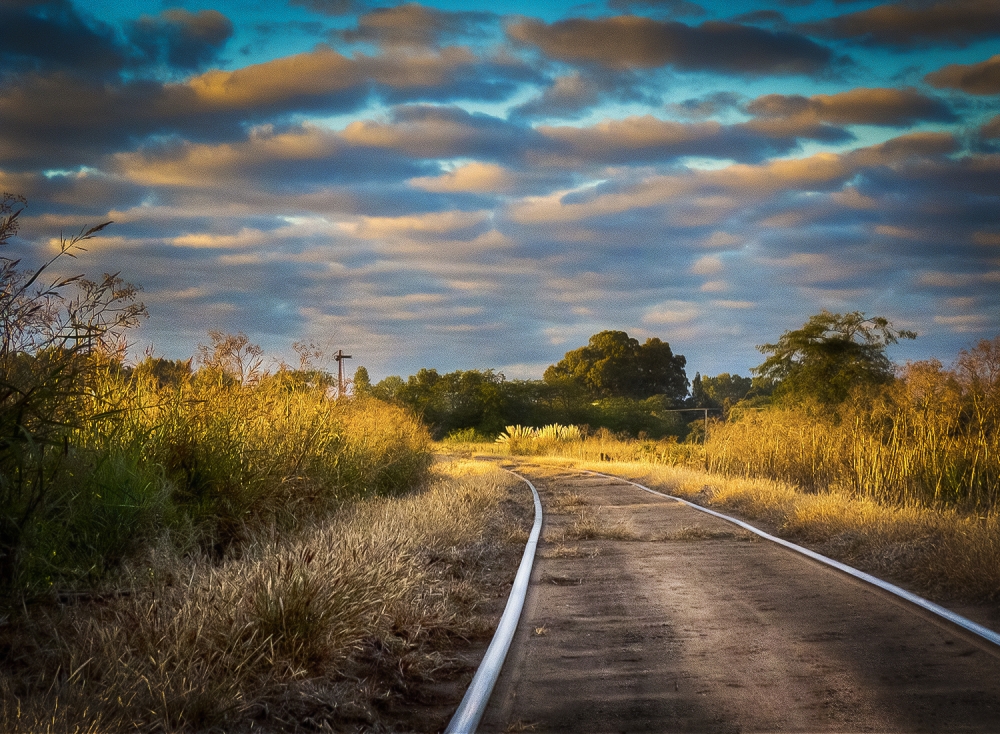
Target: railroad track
648 613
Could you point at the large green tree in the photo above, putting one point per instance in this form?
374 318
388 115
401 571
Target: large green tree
830 355
613 364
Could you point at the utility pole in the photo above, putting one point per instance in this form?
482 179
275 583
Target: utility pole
340 357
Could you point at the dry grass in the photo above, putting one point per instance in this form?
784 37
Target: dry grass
941 553
565 502
326 629
560 550
588 527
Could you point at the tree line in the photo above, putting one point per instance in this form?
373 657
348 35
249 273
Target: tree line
614 382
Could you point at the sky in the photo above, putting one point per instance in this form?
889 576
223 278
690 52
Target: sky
478 185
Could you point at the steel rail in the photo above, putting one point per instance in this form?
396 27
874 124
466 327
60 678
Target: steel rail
936 609
470 710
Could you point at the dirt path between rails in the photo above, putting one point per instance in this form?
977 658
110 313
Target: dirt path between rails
670 620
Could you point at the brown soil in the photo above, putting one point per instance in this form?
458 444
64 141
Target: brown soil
646 615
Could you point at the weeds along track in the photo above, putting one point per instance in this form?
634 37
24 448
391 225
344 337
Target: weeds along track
369 619
645 613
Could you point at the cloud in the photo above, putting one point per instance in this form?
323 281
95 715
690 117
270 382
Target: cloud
634 138
412 24
430 226
882 106
702 107
331 7
60 120
300 157
179 38
673 8
963 323
707 197
473 177
981 78
573 94
671 312
246 237
734 304
48 36
902 25
441 132
630 42
646 138
707 265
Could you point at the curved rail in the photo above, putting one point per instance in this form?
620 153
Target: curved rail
470 711
967 624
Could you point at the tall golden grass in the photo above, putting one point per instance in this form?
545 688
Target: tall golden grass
204 459
932 437
322 630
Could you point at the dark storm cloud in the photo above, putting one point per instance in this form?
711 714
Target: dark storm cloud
674 8
629 42
51 35
904 25
762 17
982 78
179 38
415 25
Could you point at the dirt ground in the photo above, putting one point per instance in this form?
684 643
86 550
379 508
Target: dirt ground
646 615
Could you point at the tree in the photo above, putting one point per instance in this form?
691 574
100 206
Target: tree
725 387
613 364
233 356
362 382
830 355
388 388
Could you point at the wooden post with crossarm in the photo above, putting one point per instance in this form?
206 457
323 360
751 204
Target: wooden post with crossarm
340 357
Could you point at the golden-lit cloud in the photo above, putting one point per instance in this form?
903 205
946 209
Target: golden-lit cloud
318 72
204 240
981 78
860 106
197 164
473 177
